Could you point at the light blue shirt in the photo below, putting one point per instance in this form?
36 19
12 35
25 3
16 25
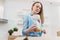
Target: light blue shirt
27 23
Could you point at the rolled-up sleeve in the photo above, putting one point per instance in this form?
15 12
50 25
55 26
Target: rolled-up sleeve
43 27
25 26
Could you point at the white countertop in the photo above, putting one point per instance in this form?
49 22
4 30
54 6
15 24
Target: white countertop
34 38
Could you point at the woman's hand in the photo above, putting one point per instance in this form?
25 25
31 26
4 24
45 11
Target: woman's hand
44 31
32 27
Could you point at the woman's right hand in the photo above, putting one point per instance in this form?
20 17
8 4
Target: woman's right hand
32 27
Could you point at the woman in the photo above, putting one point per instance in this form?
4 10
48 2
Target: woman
29 27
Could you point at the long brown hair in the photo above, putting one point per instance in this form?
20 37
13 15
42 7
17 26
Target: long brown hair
41 11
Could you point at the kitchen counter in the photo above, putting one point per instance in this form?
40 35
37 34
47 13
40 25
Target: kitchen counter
29 38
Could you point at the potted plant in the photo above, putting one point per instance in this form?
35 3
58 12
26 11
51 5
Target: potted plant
10 31
15 29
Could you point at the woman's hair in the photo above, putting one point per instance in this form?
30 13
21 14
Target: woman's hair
41 11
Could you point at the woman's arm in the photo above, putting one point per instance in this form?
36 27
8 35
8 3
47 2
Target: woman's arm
30 29
43 28
27 29
42 23
25 25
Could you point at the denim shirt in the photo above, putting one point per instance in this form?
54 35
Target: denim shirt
27 23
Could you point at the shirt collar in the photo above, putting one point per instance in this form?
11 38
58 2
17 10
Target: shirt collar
31 14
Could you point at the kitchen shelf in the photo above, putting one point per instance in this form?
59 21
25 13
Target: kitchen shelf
2 20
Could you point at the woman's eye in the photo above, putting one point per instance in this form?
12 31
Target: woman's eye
38 7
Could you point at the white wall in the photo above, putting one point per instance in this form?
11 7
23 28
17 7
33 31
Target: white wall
12 7
1 9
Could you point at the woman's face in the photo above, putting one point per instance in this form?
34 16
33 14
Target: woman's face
36 8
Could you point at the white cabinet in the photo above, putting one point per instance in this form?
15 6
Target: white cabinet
2 19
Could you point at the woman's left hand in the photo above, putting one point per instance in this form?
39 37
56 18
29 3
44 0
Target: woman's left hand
44 31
